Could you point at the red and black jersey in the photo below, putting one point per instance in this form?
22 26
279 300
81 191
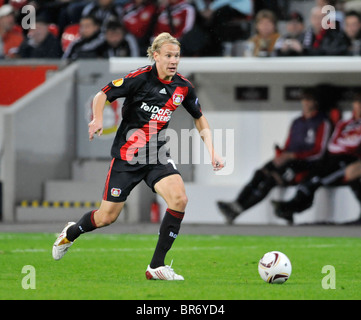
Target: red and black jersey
138 18
177 19
147 110
346 138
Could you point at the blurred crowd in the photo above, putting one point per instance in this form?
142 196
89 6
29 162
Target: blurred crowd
72 29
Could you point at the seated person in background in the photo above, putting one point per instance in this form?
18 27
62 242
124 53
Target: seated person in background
176 17
352 29
118 43
103 11
221 20
71 13
54 11
11 35
337 5
209 7
40 43
89 42
305 145
139 17
266 34
343 150
319 41
291 43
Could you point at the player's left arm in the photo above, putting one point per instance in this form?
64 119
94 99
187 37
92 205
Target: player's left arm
206 135
191 104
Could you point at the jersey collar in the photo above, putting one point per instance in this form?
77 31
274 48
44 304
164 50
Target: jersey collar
155 72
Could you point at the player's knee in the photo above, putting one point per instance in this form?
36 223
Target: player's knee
180 201
105 219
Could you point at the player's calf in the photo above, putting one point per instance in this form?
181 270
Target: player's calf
85 224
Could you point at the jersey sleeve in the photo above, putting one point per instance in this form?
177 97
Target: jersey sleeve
345 141
120 88
192 105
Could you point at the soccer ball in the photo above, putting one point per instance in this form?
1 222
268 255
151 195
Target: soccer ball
275 267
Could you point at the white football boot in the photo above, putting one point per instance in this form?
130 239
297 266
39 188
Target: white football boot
162 273
62 244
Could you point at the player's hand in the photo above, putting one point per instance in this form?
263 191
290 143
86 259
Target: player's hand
284 157
95 127
217 162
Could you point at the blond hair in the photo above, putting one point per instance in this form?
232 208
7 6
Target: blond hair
161 39
266 14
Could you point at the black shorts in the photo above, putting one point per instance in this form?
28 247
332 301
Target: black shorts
120 183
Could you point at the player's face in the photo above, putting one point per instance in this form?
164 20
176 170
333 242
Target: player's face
167 60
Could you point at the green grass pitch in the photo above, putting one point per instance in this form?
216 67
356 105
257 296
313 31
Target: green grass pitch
215 267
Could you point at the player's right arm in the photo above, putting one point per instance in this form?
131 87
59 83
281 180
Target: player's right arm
113 90
96 125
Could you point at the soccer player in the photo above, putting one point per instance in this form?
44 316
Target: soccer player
152 94
305 145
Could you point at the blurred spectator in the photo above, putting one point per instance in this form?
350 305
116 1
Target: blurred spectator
89 42
40 43
319 41
139 19
305 145
352 29
48 9
11 35
176 17
291 43
223 21
343 149
60 12
103 10
118 43
70 34
336 5
225 16
71 13
266 34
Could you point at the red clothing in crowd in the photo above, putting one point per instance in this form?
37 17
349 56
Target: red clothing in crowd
137 19
177 18
12 40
